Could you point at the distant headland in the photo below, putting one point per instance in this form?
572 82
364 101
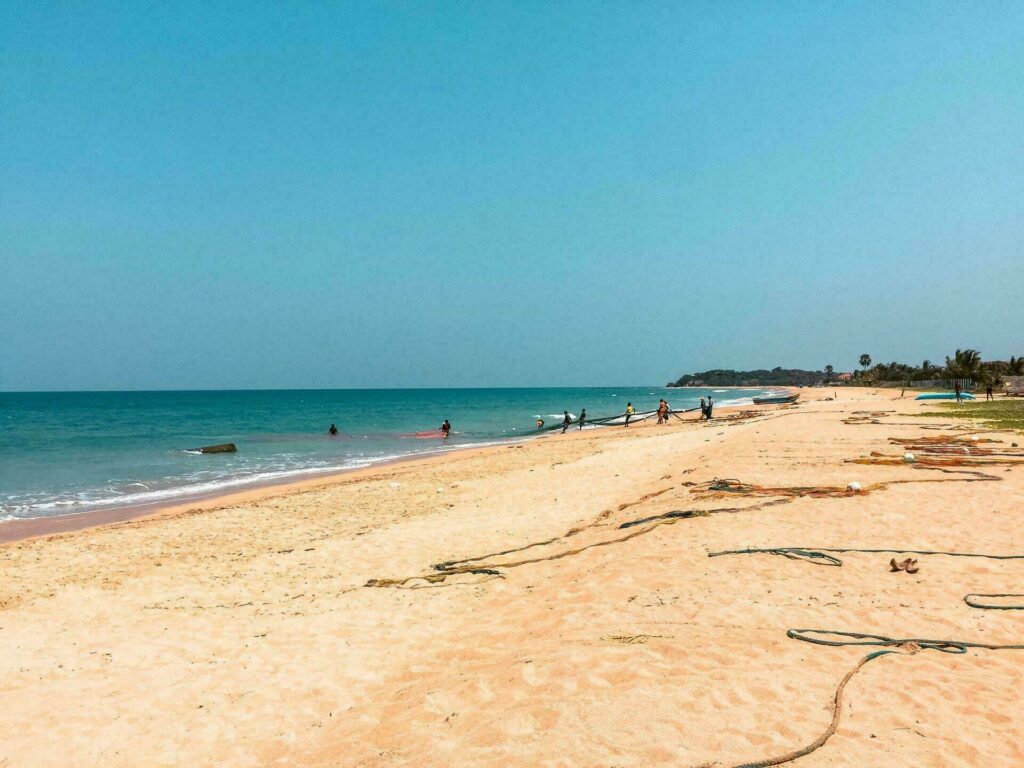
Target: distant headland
776 377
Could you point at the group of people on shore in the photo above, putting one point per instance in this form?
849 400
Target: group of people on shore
567 420
663 413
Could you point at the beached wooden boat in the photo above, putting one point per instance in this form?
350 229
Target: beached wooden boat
775 399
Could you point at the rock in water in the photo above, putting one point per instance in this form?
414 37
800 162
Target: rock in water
222 448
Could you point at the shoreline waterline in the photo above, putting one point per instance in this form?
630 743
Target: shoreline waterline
67 454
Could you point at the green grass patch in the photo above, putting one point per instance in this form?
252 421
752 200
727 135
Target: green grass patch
995 414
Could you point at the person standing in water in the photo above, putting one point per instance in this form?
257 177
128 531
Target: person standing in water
583 418
445 429
332 431
540 423
566 421
630 410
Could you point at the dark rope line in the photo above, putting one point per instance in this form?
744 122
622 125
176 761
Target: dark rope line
836 707
993 606
447 565
836 638
484 563
821 637
817 556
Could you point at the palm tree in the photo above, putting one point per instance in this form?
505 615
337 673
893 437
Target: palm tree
865 361
829 370
1016 366
965 364
926 366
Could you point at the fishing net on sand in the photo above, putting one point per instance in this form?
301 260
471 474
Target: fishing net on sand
949 445
941 440
929 461
720 487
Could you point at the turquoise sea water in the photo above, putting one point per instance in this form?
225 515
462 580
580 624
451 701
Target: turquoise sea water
70 452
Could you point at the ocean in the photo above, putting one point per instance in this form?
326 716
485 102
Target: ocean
70 452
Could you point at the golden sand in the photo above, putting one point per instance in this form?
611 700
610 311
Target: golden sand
242 633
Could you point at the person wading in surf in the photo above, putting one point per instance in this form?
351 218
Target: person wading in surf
445 429
566 421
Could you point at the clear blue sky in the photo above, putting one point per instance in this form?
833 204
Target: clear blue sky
211 195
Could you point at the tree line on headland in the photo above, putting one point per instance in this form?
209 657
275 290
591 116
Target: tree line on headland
964 364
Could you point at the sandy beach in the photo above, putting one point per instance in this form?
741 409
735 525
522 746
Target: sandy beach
579 621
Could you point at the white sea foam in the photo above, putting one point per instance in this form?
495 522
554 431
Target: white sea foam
193 487
734 402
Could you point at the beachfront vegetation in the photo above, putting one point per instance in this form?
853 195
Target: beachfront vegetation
995 414
963 364
776 377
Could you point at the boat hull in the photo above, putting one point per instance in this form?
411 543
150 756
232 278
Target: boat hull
775 399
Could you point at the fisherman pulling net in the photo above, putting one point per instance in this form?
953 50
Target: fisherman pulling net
617 420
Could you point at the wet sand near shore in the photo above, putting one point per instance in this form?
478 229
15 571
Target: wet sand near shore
578 622
19 530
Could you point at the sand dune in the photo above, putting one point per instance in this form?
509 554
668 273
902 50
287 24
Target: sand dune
246 636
